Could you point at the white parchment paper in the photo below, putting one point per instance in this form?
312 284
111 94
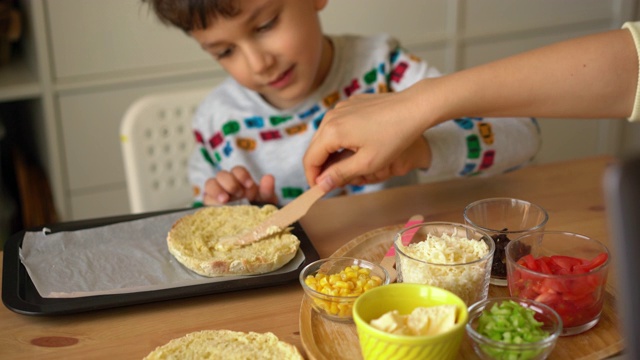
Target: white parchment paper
121 258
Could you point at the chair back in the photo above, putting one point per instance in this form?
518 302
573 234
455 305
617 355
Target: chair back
157 142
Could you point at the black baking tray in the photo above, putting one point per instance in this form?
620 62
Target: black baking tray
20 295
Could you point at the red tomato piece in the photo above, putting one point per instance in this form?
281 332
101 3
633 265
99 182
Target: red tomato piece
529 262
593 263
565 262
594 280
558 285
527 293
548 298
543 266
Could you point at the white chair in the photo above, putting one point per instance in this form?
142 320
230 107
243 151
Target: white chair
157 141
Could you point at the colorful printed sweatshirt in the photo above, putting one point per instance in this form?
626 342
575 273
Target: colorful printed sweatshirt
235 126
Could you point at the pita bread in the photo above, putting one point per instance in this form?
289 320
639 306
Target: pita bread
192 241
226 344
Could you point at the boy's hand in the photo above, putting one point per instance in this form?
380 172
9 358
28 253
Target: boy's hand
238 184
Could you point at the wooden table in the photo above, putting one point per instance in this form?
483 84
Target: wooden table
571 192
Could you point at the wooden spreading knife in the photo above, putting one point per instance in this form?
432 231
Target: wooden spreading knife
278 221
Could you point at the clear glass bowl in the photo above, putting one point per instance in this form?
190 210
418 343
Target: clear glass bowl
424 256
574 290
489 349
504 219
336 307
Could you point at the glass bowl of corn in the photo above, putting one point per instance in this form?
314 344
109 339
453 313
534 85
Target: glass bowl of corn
333 284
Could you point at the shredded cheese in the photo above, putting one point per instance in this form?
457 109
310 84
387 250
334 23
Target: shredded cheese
448 262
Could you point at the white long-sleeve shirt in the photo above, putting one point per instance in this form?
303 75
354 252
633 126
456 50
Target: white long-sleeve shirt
235 126
634 28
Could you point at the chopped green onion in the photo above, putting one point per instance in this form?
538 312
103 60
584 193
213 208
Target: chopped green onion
510 323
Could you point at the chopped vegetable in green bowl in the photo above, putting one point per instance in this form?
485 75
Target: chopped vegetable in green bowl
513 329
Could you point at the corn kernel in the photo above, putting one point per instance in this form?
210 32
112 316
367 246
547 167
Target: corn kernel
334 308
350 282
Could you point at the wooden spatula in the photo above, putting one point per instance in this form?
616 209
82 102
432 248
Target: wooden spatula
277 222
389 260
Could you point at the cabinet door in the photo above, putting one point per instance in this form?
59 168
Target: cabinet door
492 17
499 28
97 37
412 22
99 204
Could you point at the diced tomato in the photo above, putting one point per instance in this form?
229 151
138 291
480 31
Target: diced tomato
578 270
529 262
556 285
578 300
563 272
564 309
575 295
594 263
548 298
565 262
543 266
594 280
537 286
525 292
585 302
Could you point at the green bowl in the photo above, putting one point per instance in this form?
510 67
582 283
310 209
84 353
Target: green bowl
404 297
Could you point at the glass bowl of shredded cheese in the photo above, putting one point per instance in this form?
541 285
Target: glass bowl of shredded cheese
512 328
452 256
333 284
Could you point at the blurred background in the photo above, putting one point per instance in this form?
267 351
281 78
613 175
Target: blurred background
69 69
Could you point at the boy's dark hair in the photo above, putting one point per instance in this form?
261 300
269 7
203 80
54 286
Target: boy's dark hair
190 15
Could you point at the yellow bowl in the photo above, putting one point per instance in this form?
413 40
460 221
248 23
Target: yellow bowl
404 297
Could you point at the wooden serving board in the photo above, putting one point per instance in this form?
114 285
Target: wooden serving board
326 339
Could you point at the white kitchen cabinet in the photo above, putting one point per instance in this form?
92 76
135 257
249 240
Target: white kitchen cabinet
82 62
96 38
508 18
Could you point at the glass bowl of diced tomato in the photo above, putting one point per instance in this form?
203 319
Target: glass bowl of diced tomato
564 270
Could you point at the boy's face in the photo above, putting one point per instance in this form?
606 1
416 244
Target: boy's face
274 47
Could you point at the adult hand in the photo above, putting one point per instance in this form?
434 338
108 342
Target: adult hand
238 184
382 131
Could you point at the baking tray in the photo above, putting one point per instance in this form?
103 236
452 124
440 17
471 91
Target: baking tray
20 295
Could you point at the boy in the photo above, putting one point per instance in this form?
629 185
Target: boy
253 130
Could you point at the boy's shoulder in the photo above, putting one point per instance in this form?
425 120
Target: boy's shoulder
228 94
357 54
380 41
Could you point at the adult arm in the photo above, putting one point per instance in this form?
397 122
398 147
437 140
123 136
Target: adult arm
589 77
